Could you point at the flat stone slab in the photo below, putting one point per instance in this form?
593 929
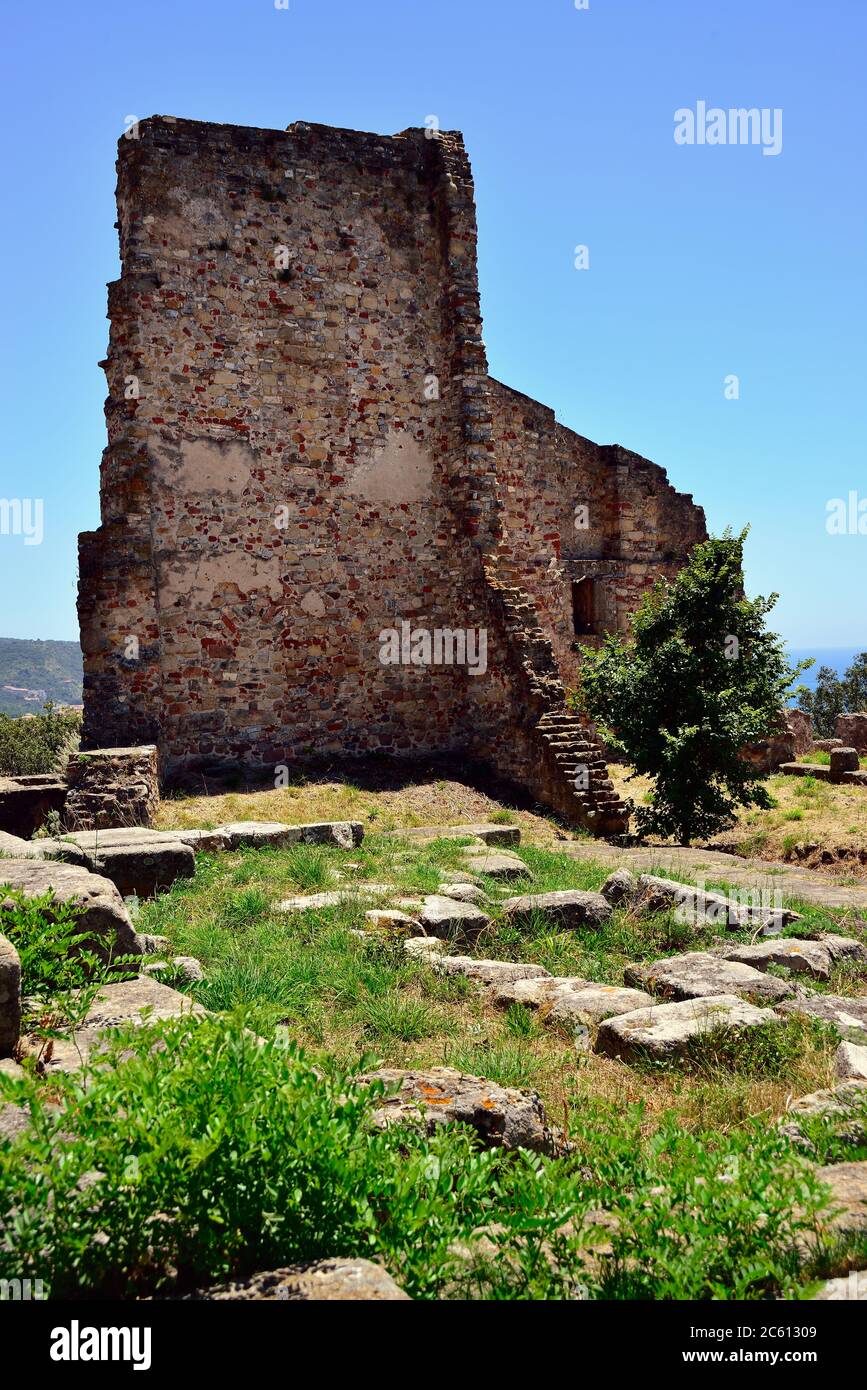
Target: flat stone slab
327 1281
754 876
103 912
699 974
571 1008
848 1184
849 1016
498 864
569 909
389 919
333 897
801 957
441 916
423 947
843 947
143 870
569 1001
534 993
139 861
696 906
501 1116
666 1031
850 1063
488 972
488 832
843 1109
343 834
117 1004
202 841
462 892
12 847
619 888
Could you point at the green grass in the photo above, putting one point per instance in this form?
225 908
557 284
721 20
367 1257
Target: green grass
237 1143
194 1152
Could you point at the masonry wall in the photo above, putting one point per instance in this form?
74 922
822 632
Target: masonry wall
571 509
305 449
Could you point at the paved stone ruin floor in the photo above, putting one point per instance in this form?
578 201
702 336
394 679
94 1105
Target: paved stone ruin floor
496 983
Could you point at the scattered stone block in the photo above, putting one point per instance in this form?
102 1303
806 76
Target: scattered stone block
850 1062
489 833
14 1119
462 892
138 861
488 972
103 914
139 1001
326 1281
389 919
800 726
342 834
202 841
501 1116
333 897
843 947
534 993
458 876
619 888
10 997
11 847
699 974
843 1110
801 957
844 760
154 945
849 1016
569 909
112 787
186 969
848 1184
423 947
441 916
498 864
698 906
572 1008
666 1031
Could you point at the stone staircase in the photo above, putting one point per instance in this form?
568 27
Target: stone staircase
569 766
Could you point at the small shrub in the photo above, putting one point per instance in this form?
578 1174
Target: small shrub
40 743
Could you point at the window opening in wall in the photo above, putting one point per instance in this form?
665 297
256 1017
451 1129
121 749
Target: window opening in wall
583 607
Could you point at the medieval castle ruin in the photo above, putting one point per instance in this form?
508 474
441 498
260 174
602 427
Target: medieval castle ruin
326 531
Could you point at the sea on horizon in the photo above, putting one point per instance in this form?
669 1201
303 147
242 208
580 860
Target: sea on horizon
838 658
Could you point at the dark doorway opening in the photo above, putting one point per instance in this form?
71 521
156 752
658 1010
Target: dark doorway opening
583 607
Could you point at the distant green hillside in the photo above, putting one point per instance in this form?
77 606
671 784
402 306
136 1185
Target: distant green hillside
52 667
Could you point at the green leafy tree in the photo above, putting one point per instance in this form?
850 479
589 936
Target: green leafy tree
824 702
855 685
700 677
832 696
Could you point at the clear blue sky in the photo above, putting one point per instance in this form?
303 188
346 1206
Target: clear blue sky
704 261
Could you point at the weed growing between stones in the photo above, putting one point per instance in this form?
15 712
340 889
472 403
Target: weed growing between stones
61 973
195 1151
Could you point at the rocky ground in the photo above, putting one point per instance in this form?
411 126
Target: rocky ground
491 975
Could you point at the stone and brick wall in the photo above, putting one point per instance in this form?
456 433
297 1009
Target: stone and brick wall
305 449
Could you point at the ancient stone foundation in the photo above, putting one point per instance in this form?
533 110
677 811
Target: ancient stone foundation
326 530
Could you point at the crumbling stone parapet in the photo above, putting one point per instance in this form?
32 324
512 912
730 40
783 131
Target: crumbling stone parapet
110 788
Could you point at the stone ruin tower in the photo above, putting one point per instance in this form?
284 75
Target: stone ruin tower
305 451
